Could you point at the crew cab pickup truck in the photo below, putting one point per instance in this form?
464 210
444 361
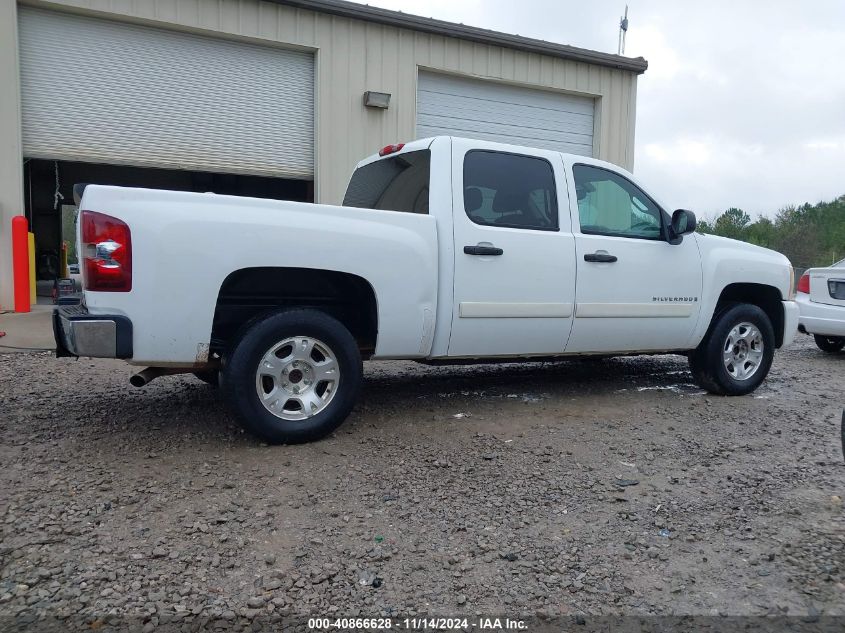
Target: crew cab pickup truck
445 250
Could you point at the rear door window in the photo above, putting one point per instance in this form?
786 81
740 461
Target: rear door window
510 190
398 183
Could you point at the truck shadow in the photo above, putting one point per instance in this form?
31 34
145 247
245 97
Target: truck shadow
175 411
393 382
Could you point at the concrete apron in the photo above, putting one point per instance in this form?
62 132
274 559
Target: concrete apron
27 331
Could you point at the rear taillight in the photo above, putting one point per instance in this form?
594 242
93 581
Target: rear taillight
803 284
106 253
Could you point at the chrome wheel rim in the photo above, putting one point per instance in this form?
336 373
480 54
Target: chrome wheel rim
297 378
742 352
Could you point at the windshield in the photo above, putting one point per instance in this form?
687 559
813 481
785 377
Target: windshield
398 183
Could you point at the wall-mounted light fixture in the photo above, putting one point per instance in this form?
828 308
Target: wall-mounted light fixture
376 99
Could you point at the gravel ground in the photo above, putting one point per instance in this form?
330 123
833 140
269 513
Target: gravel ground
592 487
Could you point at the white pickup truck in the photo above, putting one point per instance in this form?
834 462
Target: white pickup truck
445 250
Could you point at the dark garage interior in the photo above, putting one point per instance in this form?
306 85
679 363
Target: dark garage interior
50 209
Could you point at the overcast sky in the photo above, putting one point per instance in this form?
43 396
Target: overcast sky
743 103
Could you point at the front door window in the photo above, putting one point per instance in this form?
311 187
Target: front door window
609 204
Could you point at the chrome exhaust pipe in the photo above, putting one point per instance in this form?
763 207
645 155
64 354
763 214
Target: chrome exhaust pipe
145 376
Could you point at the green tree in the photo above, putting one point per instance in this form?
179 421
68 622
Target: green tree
809 234
762 233
733 223
704 226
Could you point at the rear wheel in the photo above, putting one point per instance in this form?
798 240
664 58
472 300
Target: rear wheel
293 376
831 344
736 353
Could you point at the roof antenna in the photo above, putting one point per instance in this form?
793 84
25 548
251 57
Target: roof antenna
623 31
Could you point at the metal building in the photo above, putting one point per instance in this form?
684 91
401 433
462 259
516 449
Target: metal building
273 98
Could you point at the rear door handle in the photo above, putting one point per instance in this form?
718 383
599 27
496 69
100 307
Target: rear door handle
600 257
482 250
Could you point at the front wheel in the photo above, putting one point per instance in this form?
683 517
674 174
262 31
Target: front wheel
293 376
736 353
830 344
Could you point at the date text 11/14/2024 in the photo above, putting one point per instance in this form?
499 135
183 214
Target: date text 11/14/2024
417 624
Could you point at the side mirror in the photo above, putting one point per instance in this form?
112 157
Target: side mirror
683 222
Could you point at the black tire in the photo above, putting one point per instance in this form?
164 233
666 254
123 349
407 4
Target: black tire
240 374
210 376
706 361
830 344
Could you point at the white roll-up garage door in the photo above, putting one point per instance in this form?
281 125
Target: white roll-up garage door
107 92
493 111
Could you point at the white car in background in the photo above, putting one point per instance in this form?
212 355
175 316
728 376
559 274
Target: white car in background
821 302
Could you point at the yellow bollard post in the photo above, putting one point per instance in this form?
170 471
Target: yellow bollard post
32 296
63 267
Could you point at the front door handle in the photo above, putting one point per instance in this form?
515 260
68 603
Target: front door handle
600 257
482 250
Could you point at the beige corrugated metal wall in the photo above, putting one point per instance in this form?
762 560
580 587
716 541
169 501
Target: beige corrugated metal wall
11 164
354 56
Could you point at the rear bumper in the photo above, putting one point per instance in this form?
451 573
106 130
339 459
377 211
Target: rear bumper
820 318
790 322
79 333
